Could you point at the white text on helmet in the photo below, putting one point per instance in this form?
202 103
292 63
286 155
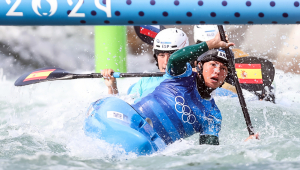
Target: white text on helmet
222 54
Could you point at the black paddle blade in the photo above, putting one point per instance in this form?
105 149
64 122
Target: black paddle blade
41 75
254 73
147 33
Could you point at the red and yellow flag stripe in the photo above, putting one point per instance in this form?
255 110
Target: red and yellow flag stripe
39 75
249 73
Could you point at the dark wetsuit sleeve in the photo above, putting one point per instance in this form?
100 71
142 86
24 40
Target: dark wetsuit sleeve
209 140
177 61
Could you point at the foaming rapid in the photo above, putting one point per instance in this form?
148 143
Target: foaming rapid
41 127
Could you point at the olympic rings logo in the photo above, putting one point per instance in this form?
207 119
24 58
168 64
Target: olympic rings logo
186 117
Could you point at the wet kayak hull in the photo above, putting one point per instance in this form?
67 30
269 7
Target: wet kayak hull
116 122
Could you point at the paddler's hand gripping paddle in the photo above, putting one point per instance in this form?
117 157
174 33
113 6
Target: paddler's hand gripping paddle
237 84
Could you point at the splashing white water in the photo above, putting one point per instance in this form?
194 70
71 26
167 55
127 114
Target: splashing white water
44 123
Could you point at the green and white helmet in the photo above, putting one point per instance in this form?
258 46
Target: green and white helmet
170 39
205 32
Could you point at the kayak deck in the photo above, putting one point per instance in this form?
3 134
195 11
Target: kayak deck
116 122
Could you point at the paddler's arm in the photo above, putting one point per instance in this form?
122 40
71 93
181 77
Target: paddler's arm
110 81
177 61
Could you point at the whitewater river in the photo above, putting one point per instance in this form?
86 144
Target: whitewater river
41 127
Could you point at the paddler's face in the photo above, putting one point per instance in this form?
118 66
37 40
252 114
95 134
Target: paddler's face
162 59
214 73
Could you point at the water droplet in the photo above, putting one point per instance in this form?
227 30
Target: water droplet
283 37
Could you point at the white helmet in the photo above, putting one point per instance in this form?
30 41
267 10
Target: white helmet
205 32
170 39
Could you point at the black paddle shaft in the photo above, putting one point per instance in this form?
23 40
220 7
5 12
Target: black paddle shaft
236 82
61 74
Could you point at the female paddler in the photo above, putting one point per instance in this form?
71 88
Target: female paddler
182 104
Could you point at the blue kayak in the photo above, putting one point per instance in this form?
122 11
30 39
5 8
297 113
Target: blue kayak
115 121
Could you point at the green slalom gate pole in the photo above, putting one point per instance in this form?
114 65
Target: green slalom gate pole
110 48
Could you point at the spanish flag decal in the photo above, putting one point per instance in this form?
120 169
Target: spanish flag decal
249 73
39 75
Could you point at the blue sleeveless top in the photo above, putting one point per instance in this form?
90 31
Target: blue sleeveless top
177 109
